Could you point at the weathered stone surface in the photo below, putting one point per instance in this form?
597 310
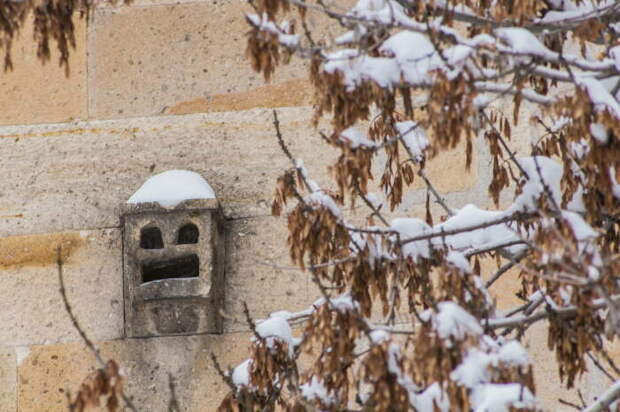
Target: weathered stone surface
49 371
505 288
37 93
8 379
179 59
173 268
93 167
447 171
546 376
286 94
31 308
260 274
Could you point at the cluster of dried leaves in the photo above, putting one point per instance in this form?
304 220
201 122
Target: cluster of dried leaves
52 21
568 279
102 386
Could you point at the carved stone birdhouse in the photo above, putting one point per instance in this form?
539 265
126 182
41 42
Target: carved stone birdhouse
173 257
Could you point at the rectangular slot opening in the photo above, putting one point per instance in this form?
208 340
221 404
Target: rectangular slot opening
182 267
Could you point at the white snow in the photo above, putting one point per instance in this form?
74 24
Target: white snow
241 374
403 380
172 187
408 228
459 261
471 215
377 336
343 302
497 397
599 132
414 138
452 321
522 41
416 56
473 370
321 198
614 53
513 353
433 395
615 186
356 138
263 23
581 229
21 353
380 11
351 36
541 172
357 69
569 10
314 389
599 95
276 328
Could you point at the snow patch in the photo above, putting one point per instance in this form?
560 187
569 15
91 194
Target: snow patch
172 187
276 329
241 374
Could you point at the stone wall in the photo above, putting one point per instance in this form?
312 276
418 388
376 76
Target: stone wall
154 86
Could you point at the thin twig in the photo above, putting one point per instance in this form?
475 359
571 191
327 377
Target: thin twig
69 310
605 399
436 194
225 377
600 367
567 403
94 350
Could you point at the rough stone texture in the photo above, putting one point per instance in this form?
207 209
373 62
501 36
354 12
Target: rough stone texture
8 379
259 272
103 162
93 167
172 57
31 309
503 289
179 59
286 94
546 376
49 371
447 171
173 280
36 93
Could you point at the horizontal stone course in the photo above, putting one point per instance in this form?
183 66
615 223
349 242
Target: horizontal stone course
43 93
31 307
257 273
74 176
181 58
48 372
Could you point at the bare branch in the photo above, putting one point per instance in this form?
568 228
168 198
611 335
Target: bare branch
605 399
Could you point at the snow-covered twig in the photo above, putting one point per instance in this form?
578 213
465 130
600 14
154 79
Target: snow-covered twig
605 399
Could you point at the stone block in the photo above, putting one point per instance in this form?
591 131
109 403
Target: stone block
447 171
95 166
31 308
259 272
173 268
8 379
546 377
42 93
180 58
288 93
49 372
504 289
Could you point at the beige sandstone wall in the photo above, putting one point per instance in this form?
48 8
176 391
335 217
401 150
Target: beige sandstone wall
154 86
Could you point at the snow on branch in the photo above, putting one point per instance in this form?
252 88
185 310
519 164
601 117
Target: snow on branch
406 320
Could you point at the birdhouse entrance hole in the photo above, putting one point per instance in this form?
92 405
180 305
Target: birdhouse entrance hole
182 267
